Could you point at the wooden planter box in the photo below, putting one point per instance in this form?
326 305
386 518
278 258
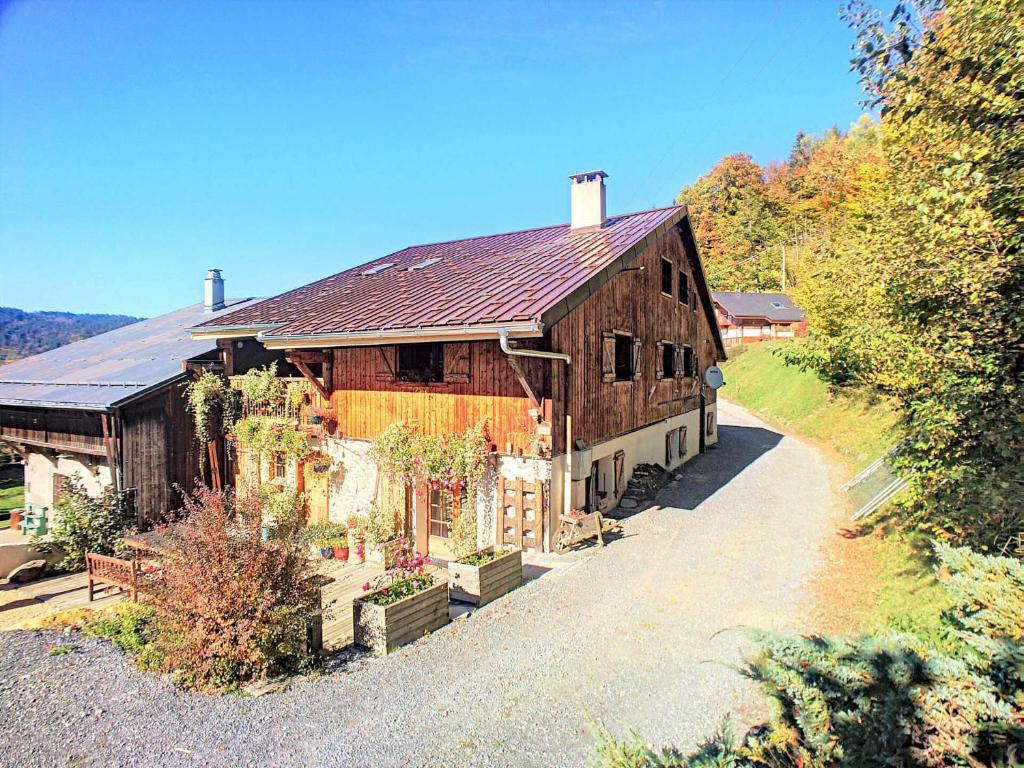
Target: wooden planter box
480 584
383 628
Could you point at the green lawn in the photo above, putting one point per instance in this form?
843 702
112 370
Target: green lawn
858 425
885 578
12 495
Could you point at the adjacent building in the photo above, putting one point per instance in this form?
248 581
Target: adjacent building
109 410
747 318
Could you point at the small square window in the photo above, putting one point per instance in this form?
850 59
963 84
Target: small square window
666 276
684 288
668 361
623 357
280 469
421 362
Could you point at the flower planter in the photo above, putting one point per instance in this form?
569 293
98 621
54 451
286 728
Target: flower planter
480 584
326 553
383 628
341 553
385 554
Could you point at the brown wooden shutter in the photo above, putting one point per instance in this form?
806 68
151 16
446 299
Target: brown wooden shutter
636 358
387 360
608 356
456 362
659 361
680 361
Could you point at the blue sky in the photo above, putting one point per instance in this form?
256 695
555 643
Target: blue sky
144 141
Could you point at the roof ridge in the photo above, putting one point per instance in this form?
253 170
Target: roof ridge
521 231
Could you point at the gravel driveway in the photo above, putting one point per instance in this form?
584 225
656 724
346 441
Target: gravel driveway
632 634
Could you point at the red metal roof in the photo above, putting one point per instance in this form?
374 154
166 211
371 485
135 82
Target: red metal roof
508 278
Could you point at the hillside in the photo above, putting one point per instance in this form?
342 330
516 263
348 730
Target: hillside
854 422
28 333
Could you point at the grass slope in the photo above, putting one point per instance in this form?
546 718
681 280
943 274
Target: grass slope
858 425
878 577
12 494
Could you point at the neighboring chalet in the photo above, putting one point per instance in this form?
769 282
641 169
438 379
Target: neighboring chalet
583 345
746 318
109 409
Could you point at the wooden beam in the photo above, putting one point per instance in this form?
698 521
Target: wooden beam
517 368
108 444
305 371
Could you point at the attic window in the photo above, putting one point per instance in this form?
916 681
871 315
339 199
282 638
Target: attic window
666 276
684 288
423 264
377 268
777 305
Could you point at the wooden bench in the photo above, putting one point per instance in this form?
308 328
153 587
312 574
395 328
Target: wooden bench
111 572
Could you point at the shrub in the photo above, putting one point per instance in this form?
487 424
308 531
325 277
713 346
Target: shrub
127 625
86 523
892 699
230 607
322 534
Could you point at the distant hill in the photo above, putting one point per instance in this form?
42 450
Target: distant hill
28 333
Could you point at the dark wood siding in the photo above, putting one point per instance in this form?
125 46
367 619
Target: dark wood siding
632 302
158 450
61 430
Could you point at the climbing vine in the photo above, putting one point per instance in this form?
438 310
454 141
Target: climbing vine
264 435
443 462
202 396
452 464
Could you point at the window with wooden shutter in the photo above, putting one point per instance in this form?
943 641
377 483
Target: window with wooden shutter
678 351
667 360
386 361
608 356
457 362
659 361
636 358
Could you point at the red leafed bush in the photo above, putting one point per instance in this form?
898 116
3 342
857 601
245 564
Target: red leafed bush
231 607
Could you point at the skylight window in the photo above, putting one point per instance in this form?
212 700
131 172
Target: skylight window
777 305
423 264
377 268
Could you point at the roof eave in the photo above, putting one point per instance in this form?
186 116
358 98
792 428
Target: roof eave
213 332
474 332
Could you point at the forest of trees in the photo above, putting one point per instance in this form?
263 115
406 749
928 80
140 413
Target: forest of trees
902 239
29 333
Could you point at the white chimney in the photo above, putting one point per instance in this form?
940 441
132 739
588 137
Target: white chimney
588 208
213 291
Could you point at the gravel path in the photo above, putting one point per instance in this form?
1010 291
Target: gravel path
632 634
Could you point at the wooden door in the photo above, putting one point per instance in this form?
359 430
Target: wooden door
522 508
318 490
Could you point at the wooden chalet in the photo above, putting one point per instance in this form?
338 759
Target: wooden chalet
747 318
583 345
110 411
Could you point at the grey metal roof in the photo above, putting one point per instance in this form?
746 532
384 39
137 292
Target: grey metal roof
113 367
740 304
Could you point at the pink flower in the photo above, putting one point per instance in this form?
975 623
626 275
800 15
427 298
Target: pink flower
366 587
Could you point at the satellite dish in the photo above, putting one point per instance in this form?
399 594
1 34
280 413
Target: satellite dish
713 377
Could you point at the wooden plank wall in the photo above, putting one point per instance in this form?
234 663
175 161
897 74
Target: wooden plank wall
366 402
633 302
158 450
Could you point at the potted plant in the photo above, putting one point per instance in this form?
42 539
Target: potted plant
485 575
341 549
316 415
402 605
